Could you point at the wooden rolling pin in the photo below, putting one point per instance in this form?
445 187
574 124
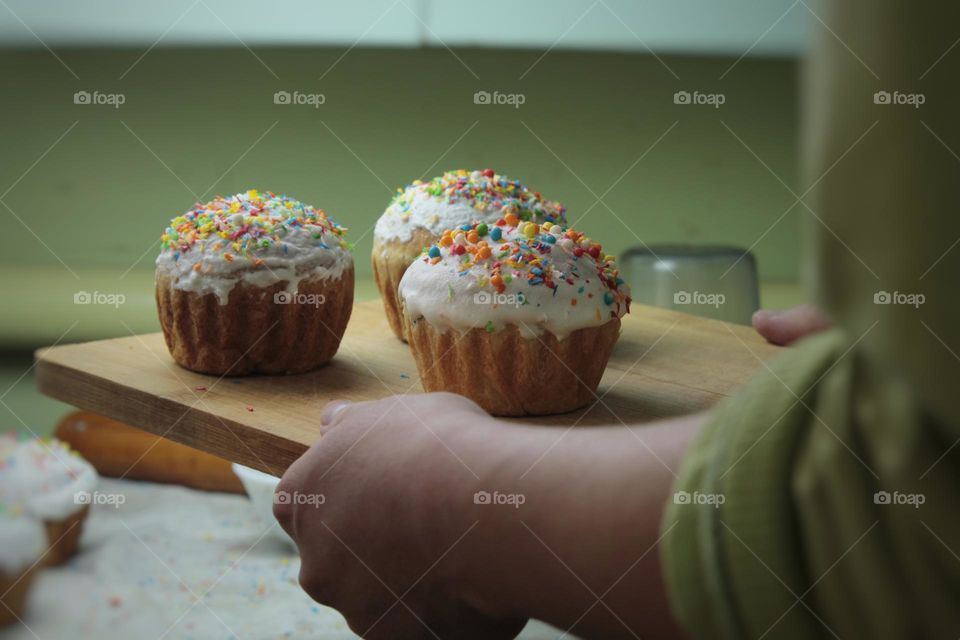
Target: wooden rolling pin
118 450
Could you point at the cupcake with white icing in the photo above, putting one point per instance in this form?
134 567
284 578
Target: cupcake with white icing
254 283
50 482
518 316
417 216
22 543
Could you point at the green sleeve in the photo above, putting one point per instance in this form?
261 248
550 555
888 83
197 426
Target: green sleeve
805 509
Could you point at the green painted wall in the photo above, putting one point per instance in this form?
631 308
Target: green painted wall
100 197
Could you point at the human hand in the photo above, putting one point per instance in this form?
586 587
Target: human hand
377 508
785 327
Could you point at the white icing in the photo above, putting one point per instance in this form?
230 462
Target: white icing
44 478
22 541
305 258
293 253
449 297
415 208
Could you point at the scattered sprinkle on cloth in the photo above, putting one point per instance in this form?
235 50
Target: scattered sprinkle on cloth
159 559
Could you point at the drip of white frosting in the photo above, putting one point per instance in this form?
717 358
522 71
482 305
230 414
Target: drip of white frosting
302 256
22 541
450 297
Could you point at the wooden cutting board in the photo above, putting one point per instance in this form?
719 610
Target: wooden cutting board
665 363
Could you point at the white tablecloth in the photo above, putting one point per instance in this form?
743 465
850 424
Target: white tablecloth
176 563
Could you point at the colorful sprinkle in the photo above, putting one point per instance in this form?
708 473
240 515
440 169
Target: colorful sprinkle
483 190
248 223
538 255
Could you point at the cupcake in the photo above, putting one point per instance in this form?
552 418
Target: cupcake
24 542
254 283
418 214
50 483
518 316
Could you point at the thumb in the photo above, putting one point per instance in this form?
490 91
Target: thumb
331 413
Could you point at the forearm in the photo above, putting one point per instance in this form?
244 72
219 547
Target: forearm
581 549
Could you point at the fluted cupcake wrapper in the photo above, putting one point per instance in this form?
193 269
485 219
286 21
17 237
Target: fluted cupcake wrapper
390 261
254 332
63 537
511 375
13 594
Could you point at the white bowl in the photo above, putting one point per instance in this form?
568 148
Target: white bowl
260 487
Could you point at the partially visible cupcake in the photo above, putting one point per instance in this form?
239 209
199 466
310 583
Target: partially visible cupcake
518 316
22 543
49 482
254 283
417 216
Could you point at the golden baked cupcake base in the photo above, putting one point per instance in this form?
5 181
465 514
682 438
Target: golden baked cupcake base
13 595
390 260
254 332
63 537
511 375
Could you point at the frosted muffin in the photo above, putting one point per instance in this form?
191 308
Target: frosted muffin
254 283
519 317
418 214
24 542
51 483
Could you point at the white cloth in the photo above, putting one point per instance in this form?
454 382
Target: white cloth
184 563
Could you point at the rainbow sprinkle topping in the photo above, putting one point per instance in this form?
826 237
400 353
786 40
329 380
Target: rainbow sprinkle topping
540 255
483 190
249 223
